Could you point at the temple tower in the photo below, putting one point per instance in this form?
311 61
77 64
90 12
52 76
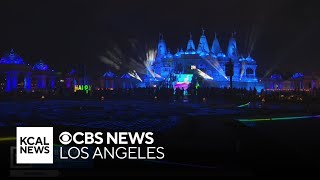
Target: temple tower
203 47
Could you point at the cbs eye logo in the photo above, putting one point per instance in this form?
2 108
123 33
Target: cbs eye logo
65 138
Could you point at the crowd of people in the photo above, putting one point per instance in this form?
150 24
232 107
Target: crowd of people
199 94
191 94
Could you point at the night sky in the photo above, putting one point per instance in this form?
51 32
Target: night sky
281 35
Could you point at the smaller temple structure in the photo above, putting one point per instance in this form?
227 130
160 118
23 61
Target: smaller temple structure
45 78
24 77
107 81
13 66
297 81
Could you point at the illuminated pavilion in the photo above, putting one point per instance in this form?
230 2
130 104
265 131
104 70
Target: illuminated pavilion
23 77
297 81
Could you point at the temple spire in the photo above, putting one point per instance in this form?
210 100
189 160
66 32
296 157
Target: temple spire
161 36
203 44
232 48
162 47
190 46
215 49
233 34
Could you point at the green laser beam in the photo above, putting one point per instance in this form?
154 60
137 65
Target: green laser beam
243 105
278 118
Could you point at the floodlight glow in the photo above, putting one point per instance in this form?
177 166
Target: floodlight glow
151 56
204 75
149 69
135 75
153 74
216 65
157 75
244 64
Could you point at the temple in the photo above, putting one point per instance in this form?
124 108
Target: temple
178 69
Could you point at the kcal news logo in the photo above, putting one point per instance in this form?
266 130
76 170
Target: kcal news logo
34 145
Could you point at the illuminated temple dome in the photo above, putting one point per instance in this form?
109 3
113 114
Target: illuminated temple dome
297 75
221 55
11 58
248 59
40 66
126 76
109 74
242 59
169 55
276 77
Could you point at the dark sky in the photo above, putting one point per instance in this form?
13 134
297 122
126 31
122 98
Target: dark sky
282 35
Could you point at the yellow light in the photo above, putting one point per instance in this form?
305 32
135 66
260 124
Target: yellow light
7 139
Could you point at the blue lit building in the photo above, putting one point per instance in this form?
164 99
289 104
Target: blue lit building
24 77
106 81
14 68
295 81
208 62
45 78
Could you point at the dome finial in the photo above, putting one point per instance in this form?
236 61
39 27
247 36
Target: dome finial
160 36
202 31
233 34
190 35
